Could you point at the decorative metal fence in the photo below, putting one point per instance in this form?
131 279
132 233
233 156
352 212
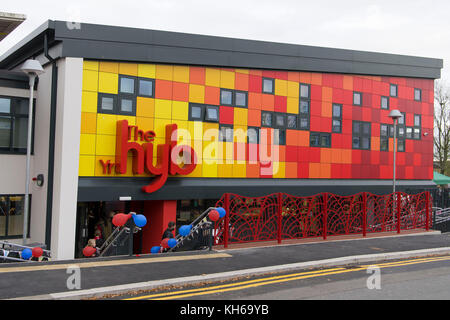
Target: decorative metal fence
281 216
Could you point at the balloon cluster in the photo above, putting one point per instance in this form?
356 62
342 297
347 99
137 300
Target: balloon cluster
216 214
35 252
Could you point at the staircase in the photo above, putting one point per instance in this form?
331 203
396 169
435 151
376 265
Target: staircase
11 252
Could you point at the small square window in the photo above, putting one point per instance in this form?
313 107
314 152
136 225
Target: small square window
356 142
337 113
5 105
409 132
384 144
393 90
126 105
304 107
280 120
212 114
304 123
357 98
304 91
107 104
417 120
127 85
401 145
356 127
226 97
417 133
195 112
146 88
385 103
241 99
365 143
292 121
266 120
268 85
401 120
325 140
384 130
401 132
337 126
417 94
314 139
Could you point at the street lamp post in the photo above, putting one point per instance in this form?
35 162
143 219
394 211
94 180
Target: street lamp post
394 115
32 68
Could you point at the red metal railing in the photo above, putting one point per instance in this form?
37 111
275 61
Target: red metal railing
282 216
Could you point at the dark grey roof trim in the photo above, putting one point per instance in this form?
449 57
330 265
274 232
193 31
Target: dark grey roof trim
10 79
110 189
102 42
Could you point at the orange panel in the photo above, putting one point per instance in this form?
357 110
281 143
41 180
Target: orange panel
197 75
180 91
241 81
163 89
212 95
254 100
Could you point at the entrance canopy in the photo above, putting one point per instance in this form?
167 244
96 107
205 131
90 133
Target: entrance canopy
440 179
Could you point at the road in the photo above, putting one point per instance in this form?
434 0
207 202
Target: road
420 278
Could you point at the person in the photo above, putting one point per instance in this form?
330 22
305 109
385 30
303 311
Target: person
98 238
92 243
169 231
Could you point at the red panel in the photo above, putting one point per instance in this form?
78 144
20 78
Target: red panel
159 213
255 83
280 104
291 153
226 115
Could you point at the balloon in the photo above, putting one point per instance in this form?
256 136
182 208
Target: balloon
165 244
26 254
221 212
139 220
185 230
120 219
37 252
155 249
214 215
172 242
88 251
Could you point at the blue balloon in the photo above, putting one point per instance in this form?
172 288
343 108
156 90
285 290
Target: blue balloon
184 230
139 220
221 212
172 242
26 254
155 249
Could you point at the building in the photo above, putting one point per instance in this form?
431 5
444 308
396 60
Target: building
9 22
111 95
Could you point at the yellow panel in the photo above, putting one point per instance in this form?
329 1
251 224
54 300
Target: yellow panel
196 93
279 170
131 119
197 173
106 124
89 100
99 166
164 72
163 109
112 67
281 87
292 105
88 122
197 145
145 124
108 82
239 170
293 89
86 166
147 71
87 144
225 170
145 107
227 79
180 110
209 170
105 145
90 80
90 65
160 127
210 151
240 116
181 74
212 77
196 130
130 69
240 133
183 134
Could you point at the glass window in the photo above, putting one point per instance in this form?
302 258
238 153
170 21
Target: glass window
401 132
146 88
356 127
241 99
361 135
126 85
266 120
337 126
314 139
357 98
337 110
393 90
417 94
337 118
304 123
195 112
226 97
5 132
304 91
417 121
291 121
325 140
384 103
279 137
356 142
20 135
401 145
304 107
106 103
126 105
416 133
401 120
384 144
212 113
280 120
268 85
409 132
5 105
11 215
384 130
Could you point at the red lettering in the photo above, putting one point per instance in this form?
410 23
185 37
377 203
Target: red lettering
123 147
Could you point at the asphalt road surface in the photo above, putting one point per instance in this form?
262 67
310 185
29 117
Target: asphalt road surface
411 279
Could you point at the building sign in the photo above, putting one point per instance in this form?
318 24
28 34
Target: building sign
171 158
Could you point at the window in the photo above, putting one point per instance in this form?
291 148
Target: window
401 120
279 137
417 120
127 85
268 85
280 120
266 119
417 94
320 139
409 133
127 106
11 216
226 97
195 112
357 98
417 126
292 121
384 137
146 87
361 135
212 114
225 133
14 125
241 99
337 118
305 91
416 135
304 106
393 90
385 103
253 135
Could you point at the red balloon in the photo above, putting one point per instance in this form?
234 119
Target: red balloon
165 244
120 219
88 251
214 215
37 252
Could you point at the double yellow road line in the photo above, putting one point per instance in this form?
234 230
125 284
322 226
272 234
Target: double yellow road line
277 279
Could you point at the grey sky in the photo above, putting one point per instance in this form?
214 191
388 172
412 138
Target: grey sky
410 27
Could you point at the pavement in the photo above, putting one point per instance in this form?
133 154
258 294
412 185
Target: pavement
114 275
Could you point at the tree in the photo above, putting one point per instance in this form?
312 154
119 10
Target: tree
442 126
